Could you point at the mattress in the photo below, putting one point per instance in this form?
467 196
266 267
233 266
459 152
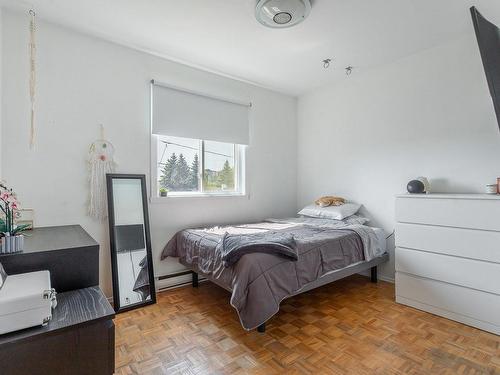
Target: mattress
260 281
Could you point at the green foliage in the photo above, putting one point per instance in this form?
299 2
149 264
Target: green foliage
177 175
194 174
226 177
219 180
19 229
169 172
183 175
15 230
8 224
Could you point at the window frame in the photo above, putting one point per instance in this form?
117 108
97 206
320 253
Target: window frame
239 174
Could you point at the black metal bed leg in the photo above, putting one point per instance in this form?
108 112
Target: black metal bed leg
195 279
374 277
261 328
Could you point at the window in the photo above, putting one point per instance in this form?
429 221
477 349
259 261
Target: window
190 167
198 143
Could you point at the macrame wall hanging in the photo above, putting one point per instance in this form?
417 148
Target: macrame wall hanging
100 162
32 52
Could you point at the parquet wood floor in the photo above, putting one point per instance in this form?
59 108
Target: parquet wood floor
349 327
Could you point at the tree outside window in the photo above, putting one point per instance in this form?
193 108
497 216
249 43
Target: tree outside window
181 160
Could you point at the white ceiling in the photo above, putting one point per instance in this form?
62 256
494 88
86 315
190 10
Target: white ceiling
223 35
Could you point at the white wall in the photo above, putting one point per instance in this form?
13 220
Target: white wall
427 115
1 103
83 81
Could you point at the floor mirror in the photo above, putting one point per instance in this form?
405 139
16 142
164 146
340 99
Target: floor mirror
130 242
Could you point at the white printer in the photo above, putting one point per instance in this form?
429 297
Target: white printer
26 300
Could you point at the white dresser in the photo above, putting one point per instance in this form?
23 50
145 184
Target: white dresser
448 256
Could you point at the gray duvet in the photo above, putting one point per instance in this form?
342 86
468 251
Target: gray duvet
260 281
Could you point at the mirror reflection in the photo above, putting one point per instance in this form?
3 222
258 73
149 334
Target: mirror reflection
132 264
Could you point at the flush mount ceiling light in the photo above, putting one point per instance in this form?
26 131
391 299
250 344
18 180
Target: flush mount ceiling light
282 13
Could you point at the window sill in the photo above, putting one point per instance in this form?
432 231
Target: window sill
182 196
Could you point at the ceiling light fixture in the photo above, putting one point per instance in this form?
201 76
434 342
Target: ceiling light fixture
282 13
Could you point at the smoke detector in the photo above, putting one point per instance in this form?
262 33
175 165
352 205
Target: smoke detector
282 13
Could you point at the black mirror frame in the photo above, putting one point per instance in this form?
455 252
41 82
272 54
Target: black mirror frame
114 261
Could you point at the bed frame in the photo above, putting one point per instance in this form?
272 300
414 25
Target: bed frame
323 280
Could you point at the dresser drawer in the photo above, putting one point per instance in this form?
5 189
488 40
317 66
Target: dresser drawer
467 243
468 306
460 271
450 212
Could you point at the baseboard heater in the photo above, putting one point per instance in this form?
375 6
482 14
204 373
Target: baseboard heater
175 280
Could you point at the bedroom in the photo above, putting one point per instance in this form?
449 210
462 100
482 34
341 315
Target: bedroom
404 95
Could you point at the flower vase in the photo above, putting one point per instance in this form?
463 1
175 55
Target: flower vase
12 244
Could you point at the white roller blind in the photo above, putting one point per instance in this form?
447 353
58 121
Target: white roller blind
180 113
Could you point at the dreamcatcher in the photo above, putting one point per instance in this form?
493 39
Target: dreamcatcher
100 162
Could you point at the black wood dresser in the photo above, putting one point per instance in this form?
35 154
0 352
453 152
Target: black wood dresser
68 252
80 338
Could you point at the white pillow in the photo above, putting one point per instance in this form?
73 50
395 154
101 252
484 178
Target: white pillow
330 212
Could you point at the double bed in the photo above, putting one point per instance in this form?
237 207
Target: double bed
327 250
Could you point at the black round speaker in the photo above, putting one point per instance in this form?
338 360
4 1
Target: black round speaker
415 187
